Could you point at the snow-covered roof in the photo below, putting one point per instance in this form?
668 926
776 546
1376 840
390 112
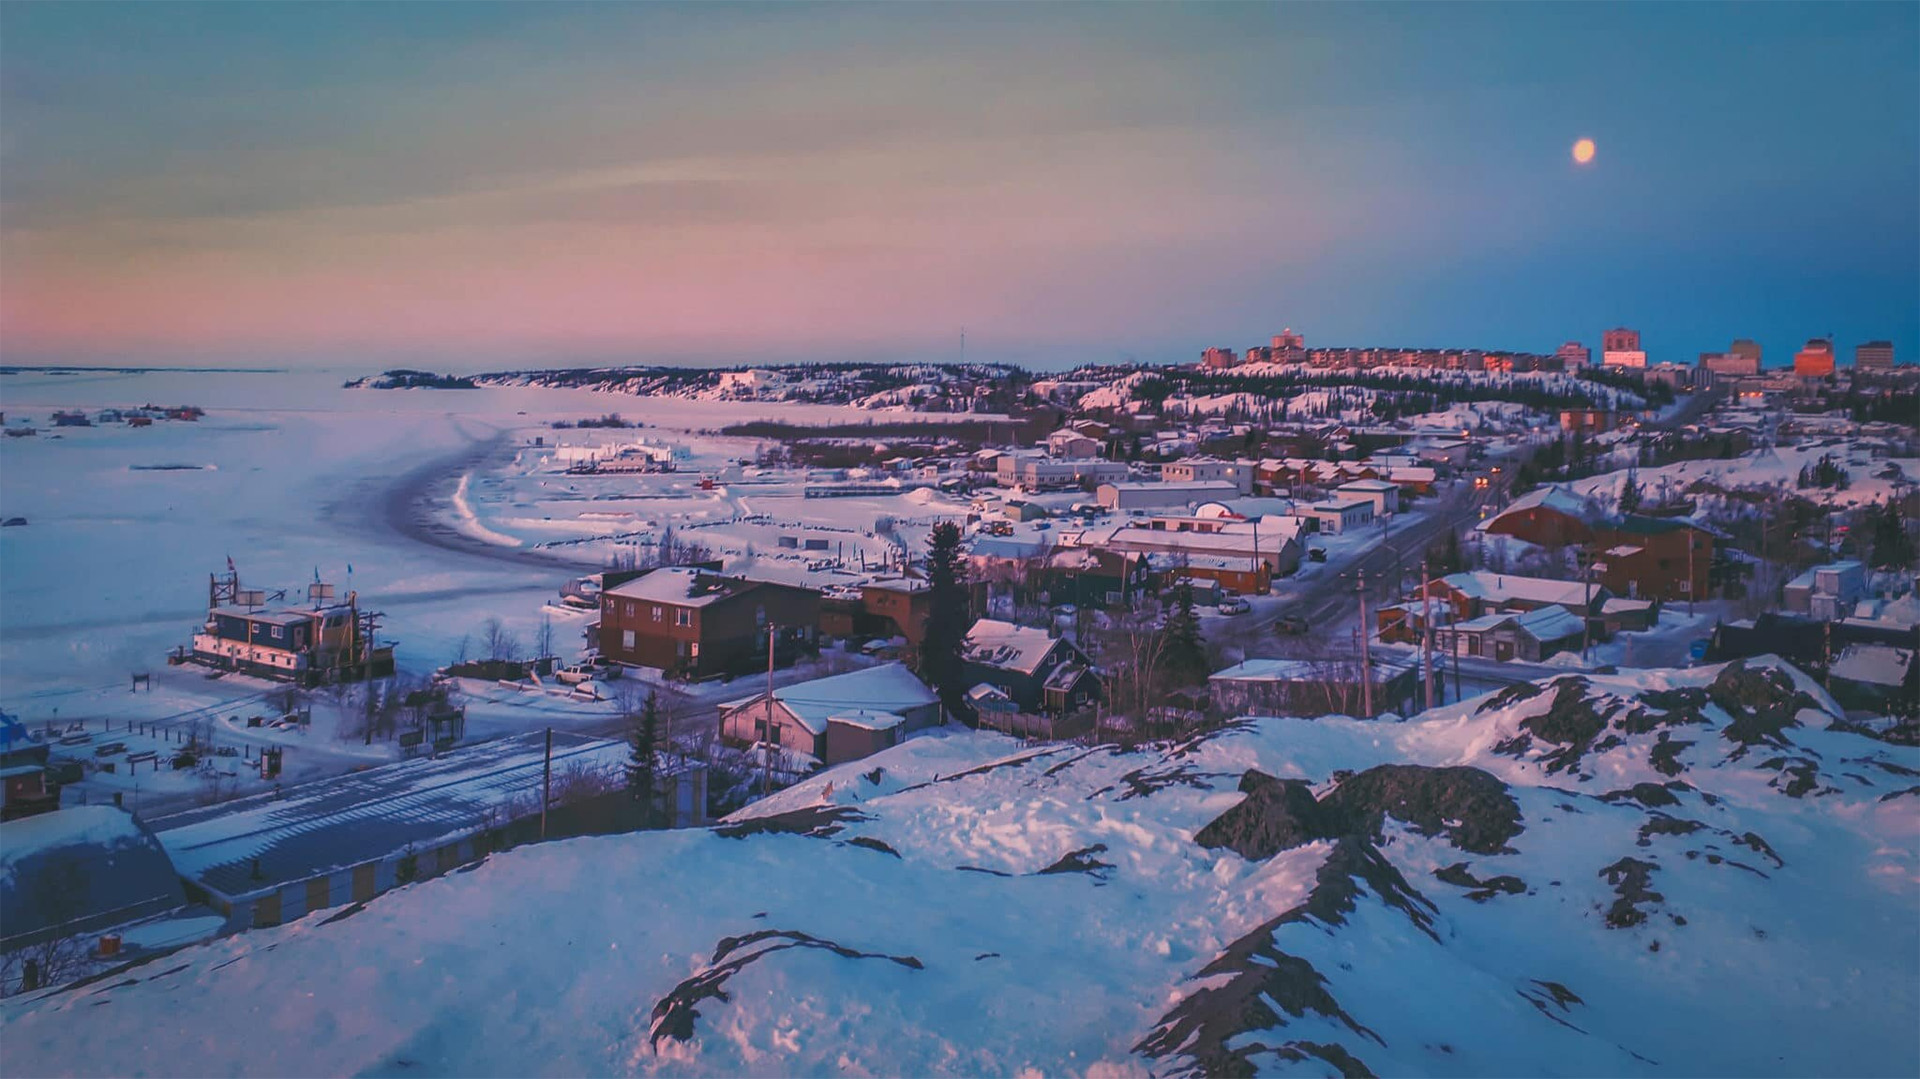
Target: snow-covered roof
267 841
1551 497
678 585
118 873
868 719
1617 605
1505 587
1551 623
889 687
994 643
1380 486
1873 664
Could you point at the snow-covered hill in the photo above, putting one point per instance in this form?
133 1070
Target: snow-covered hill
1654 873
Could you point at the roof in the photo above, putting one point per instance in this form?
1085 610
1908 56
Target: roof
279 617
1368 485
1874 664
1551 624
867 719
1294 670
889 687
1007 547
1504 587
680 586
993 643
267 841
112 869
1338 505
1616 605
1551 497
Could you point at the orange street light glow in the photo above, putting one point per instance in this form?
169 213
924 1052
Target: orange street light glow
1583 151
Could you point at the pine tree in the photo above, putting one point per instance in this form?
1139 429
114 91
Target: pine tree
948 618
643 763
1184 656
1630 494
1892 547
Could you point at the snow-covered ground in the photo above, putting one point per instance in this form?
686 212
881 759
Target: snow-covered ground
1657 873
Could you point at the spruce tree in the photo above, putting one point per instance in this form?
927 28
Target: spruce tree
948 618
643 762
1892 548
1630 494
1184 657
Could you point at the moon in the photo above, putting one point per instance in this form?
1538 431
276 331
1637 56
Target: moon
1583 151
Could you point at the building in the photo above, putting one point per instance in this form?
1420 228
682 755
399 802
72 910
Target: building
1481 592
1589 421
1210 470
840 718
1383 494
1037 672
1069 444
1530 636
80 872
694 623
1742 358
1663 558
1827 592
1573 355
1289 347
1219 358
1873 356
1876 677
1547 516
1304 687
1035 473
1620 347
24 786
276 856
321 642
1815 360
1095 577
1265 547
1136 496
1339 515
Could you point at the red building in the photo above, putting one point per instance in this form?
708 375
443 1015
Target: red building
694 623
1814 361
1550 516
1653 558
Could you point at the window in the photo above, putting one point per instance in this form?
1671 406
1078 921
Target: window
760 617
682 617
656 612
626 639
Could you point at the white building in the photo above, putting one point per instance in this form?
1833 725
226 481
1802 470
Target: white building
1339 515
1210 470
1383 494
1131 496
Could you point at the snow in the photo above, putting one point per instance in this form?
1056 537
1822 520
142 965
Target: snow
889 687
1007 646
535 963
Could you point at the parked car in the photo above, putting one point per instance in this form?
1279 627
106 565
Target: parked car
1316 554
1234 605
1290 624
575 673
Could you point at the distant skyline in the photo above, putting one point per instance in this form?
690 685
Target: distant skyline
476 186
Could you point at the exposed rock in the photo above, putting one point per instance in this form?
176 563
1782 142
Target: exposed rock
674 1014
1630 879
1276 815
1470 807
1081 861
1651 795
1460 876
818 821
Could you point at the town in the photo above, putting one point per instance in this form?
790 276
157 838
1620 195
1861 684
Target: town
1114 558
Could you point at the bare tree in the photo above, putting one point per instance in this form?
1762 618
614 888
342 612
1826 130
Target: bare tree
56 894
498 642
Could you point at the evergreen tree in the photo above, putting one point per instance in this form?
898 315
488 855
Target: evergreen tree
1892 547
643 762
1630 494
948 618
1184 657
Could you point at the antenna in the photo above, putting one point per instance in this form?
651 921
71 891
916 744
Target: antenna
963 346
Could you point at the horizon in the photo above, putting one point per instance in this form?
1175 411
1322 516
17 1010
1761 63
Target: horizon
499 187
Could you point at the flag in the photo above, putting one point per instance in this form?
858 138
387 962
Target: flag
316 575
230 568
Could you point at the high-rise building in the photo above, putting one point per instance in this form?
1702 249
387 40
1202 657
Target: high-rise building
1620 347
1573 354
1219 357
1814 361
1289 347
1743 358
1873 356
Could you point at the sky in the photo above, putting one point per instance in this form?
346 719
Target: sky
491 185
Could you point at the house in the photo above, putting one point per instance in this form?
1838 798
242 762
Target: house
79 872
1479 592
1549 516
1036 473
1132 496
327 642
1827 592
1383 494
1070 444
835 719
1664 558
1304 687
1413 479
276 856
1531 636
1272 542
896 607
1246 576
1452 453
1338 516
1095 577
1039 673
1209 470
1628 615
24 787
695 623
1877 678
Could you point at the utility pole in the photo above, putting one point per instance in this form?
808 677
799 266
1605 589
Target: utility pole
1426 632
546 784
1690 579
1366 649
766 734
1586 608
